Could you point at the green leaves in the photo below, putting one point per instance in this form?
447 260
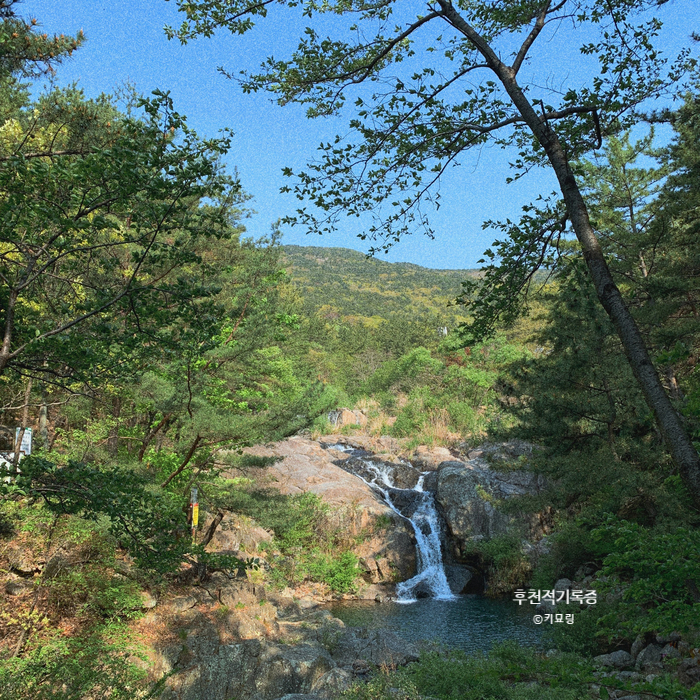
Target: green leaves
102 230
150 524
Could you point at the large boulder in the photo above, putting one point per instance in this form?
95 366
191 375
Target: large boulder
236 534
468 494
430 458
617 659
249 670
458 578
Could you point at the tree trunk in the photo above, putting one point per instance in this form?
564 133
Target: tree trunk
44 420
677 441
152 433
113 441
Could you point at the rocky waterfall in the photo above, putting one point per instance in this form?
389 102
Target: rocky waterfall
401 487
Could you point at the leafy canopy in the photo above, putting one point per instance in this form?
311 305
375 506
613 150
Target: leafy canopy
423 90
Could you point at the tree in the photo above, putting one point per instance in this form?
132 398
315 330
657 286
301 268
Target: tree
101 231
411 127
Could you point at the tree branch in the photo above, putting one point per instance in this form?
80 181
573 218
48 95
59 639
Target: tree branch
184 463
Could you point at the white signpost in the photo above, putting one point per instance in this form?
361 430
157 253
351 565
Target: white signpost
26 446
7 458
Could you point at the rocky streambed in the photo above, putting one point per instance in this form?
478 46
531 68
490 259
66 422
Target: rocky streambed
233 638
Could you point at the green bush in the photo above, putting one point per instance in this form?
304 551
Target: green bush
95 664
654 569
338 572
409 421
310 545
463 416
507 568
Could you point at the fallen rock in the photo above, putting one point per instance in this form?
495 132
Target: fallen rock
55 565
689 671
148 601
458 578
236 534
182 603
18 587
332 683
637 646
617 659
649 658
670 652
563 584
21 560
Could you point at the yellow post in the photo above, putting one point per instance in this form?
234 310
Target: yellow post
194 505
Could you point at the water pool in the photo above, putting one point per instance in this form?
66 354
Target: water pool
471 622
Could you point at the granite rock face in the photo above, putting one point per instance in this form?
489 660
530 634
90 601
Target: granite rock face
309 654
468 494
387 549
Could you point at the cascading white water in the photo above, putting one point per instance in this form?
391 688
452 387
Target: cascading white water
426 525
428 548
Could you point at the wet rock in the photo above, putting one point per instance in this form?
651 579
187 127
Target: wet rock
458 578
404 476
617 659
430 482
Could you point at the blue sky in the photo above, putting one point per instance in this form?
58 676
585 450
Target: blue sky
126 42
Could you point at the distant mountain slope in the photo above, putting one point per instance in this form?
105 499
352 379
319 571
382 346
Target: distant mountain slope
344 282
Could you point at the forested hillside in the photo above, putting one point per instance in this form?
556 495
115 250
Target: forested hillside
339 283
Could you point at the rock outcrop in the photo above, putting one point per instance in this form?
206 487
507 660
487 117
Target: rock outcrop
387 549
205 652
469 494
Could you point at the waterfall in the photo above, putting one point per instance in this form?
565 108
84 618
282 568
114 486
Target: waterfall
418 507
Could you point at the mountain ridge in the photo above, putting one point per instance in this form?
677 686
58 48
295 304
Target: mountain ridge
345 283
